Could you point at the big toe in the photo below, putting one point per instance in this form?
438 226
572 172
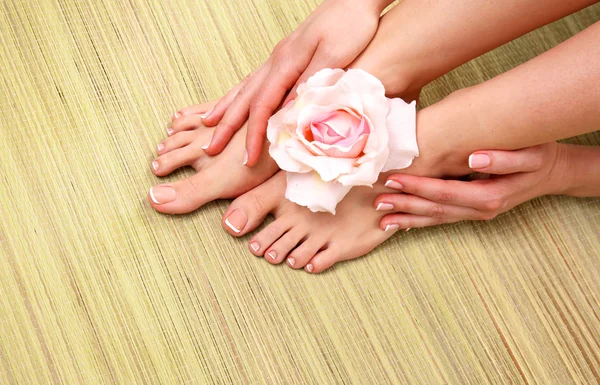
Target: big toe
249 210
184 196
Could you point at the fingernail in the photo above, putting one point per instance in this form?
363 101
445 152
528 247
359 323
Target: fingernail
272 254
408 229
245 157
384 207
205 146
309 268
393 184
237 220
170 131
162 194
255 246
155 165
205 115
291 261
479 160
160 147
391 227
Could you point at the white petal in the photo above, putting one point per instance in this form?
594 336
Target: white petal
402 126
309 190
325 77
327 167
362 82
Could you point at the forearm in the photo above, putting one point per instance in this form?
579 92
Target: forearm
418 41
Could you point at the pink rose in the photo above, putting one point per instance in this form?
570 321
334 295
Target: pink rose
341 131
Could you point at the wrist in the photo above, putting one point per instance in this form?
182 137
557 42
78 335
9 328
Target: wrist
577 171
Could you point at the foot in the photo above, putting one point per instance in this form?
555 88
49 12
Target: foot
312 241
221 176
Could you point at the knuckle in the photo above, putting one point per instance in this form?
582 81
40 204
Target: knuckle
436 211
445 196
227 127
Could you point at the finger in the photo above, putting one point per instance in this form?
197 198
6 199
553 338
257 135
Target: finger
507 162
406 222
213 116
451 192
411 204
283 75
235 115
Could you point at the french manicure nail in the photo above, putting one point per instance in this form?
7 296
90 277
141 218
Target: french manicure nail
155 165
479 160
205 146
160 147
162 194
391 227
309 268
408 228
272 254
255 246
245 157
176 115
170 131
231 226
393 184
205 115
384 206
291 261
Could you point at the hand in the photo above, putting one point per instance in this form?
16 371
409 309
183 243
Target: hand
332 36
520 176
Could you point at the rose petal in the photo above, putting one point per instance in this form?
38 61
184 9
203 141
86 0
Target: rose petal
401 123
309 190
339 151
327 167
325 77
362 82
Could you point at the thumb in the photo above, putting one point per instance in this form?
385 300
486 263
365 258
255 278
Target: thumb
507 162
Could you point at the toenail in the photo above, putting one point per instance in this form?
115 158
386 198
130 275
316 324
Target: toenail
291 261
160 147
205 146
170 131
155 165
392 227
393 184
384 206
237 220
245 157
255 246
205 115
408 229
309 268
176 115
272 254
162 194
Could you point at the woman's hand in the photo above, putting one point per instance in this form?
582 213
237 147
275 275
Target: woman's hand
332 36
518 176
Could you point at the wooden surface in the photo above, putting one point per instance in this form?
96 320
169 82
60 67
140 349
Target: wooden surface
97 288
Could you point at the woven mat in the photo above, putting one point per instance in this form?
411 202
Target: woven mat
98 288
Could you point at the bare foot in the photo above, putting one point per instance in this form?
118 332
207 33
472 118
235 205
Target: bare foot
313 241
221 176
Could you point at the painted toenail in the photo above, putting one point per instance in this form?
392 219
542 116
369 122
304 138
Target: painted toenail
170 131
255 246
408 229
237 220
205 115
291 261
272 254
384 206
309 268
162 194
155 165
391 227
245 157
160 147
205 146
176 115
393 184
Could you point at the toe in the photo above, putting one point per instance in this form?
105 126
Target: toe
249 210
323 260
171 161
280 249
260 244
185 195
175 141
185 123
199 109
303 253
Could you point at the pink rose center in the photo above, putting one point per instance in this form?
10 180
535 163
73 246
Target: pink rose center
338 134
